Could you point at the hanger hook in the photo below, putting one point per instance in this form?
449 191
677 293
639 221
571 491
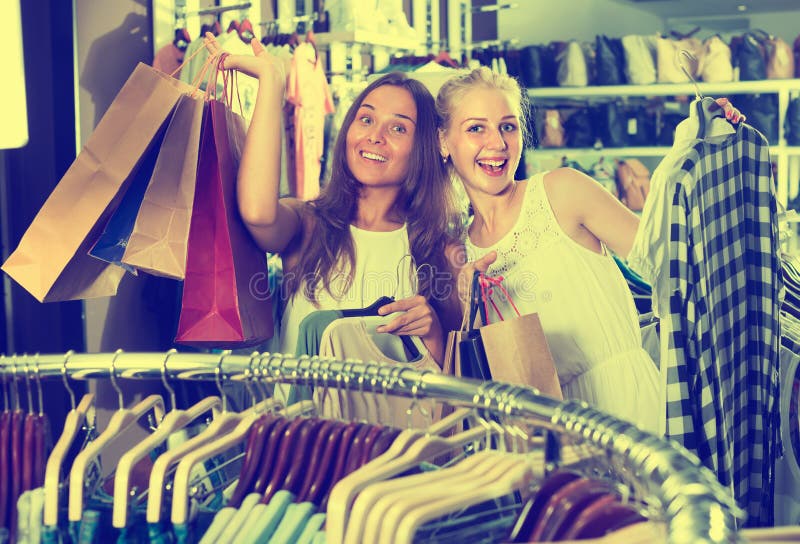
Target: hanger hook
689 55
413 278
165 375
6 392
218 379
113 376
249 378
38 378
28 384
71 393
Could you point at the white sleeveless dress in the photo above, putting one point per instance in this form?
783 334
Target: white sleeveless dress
586 310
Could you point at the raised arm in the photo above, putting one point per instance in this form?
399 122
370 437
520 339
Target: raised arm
272 222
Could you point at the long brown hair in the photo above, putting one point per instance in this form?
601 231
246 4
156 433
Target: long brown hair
425 199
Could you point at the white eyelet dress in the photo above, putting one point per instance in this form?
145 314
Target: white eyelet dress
586 310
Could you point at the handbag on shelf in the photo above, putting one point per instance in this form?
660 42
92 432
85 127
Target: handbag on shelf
633 183
750 56
780 59
717 65
611 126
573 69
579 128
610 61
640 59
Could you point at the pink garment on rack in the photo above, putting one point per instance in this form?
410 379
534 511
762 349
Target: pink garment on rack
168 59
308 91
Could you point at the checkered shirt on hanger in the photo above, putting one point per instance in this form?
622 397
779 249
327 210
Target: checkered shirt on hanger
725 282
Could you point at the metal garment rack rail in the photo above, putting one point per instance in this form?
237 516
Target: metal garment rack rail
697 509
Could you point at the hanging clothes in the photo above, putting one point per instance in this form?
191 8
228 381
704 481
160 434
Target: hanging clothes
308 91
717 285
586 310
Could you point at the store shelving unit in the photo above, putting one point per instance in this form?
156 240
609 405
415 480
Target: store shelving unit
786 89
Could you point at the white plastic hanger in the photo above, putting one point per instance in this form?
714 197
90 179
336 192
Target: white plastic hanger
180 488
78 416
344 493
222 425
121 420
173 421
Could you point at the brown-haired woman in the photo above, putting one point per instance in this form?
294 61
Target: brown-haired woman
384 223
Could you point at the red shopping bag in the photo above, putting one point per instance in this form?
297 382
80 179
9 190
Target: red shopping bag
225 302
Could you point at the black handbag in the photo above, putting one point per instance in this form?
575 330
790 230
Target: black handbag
762 113
579 129
610 61
667 124
530 65
610 123
750 56
640 125
791 125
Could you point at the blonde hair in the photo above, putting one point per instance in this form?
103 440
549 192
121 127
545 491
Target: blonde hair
454 89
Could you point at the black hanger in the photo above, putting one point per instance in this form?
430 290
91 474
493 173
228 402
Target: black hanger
372 310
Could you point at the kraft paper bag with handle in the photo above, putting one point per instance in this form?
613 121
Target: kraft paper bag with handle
157 244
516 347
225 301
51 261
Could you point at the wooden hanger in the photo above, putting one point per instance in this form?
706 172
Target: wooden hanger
173 421
256 442
319 482
344 492
120 421
180 493
325 435
291 457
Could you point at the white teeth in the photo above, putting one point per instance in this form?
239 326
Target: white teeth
492 163
373 156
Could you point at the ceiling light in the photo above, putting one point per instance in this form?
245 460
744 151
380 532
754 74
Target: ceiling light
742 7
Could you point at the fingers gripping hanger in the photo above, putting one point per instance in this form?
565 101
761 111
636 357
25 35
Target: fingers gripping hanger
173 421
120 421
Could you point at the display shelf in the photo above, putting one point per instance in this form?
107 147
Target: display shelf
593 151
657 151
364 37
667 89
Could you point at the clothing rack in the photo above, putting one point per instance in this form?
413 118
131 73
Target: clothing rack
697 509
494 7
221 9
491 43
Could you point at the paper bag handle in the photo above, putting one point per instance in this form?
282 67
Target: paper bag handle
487 284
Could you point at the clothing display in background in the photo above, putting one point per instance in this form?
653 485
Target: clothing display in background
169 58
307 90
585 308
708 244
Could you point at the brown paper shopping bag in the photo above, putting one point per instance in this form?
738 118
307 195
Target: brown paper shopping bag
158 242
516 347
51 260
